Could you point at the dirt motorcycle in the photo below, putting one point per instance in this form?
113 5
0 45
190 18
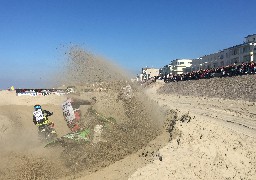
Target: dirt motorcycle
46 130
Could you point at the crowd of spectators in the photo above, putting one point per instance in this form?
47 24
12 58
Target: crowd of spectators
226 71
35 92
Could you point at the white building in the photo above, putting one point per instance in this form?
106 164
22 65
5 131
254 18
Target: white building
245 52
179 66
148 73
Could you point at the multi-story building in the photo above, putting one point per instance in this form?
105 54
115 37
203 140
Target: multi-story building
179 66
147 73
238 54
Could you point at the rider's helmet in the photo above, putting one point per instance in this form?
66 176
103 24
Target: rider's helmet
36 107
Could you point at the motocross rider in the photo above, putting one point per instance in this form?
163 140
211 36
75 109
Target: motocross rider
40 117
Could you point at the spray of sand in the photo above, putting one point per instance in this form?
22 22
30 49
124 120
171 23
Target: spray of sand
135 120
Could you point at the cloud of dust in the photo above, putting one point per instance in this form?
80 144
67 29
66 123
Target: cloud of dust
81 67
137 121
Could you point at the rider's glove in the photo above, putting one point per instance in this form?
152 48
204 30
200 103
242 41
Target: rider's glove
41 121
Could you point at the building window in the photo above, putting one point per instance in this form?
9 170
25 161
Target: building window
236 51
246 49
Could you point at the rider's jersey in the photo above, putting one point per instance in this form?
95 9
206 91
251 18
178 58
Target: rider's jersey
68 111
39 116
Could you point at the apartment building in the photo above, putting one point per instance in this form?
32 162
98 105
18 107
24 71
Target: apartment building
177 66
244 52
147 73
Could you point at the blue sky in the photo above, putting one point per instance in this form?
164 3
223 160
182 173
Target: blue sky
134 33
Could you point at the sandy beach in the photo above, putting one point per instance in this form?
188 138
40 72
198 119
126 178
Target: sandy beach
127 90
216 140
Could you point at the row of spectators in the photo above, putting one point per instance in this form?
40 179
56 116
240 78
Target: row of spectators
35 92
227 71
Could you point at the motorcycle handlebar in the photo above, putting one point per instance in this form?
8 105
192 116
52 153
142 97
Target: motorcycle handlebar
49 114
